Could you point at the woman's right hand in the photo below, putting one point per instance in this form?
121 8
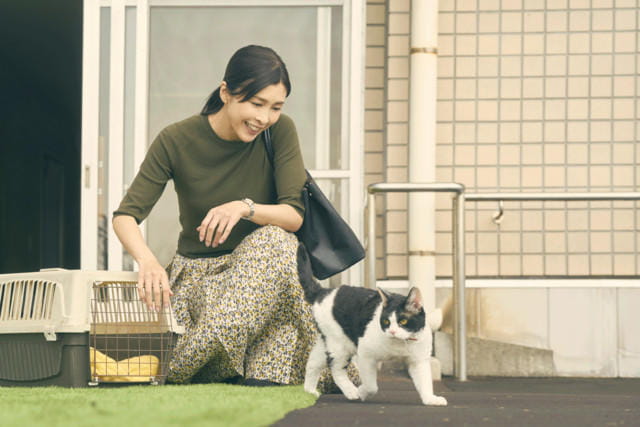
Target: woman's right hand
153 284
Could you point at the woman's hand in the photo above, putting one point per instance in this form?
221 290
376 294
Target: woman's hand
151 276
153 284
216 226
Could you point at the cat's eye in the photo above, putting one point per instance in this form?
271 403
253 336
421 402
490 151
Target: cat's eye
403 322
385 322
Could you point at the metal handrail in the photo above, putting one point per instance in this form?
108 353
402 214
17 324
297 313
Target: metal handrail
458 249
546 197
460 345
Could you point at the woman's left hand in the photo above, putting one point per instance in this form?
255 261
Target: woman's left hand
219 221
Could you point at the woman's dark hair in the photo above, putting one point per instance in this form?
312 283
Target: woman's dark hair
250 69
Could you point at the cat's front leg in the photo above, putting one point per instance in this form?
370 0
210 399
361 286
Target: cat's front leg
420 373
343 382
338 364
368 369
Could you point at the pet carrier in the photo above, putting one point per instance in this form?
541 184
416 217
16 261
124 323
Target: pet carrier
77 328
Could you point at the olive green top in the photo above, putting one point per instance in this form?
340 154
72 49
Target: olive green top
208 171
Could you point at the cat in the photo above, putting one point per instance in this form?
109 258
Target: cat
370 325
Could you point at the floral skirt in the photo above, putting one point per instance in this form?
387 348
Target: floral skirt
244 313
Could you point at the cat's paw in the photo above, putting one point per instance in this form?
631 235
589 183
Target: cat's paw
434 400
365 393
315 392
351 393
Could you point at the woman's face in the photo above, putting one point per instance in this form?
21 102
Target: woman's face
243 121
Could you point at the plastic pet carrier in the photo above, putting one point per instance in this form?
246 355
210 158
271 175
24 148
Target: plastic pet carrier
78 328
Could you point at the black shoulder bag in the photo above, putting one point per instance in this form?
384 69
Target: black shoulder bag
332 245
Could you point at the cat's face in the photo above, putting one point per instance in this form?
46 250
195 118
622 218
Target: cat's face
403 318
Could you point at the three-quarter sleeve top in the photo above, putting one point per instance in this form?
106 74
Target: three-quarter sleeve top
208 171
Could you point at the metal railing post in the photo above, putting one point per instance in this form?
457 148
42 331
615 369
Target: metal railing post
458 265
458 274
371 242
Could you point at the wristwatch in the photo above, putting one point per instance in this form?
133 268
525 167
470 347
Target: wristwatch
252 207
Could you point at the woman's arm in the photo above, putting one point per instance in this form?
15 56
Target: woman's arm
283 215
153 282
219 221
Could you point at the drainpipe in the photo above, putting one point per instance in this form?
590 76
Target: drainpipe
422 146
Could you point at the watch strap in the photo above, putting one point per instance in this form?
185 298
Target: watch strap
252 207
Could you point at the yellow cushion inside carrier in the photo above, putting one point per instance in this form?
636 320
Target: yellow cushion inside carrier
134 369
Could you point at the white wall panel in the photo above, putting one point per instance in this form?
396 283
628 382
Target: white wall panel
583 331
517 316
629 332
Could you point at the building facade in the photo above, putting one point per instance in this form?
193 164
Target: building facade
533 96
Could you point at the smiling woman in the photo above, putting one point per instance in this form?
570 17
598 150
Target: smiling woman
251 95
233 281
243 120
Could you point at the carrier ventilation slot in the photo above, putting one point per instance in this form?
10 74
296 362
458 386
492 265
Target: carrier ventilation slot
26 300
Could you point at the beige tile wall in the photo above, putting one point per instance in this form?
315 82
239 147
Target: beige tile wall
386 115
532 96
397 128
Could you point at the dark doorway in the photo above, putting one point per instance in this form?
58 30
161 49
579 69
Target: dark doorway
40 128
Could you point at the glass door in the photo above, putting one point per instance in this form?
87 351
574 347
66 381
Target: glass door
155 62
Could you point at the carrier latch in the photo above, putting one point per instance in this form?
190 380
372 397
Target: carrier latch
50 333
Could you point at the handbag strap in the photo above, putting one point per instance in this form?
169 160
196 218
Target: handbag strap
267 145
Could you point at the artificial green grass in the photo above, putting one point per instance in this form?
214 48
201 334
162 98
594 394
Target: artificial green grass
184 405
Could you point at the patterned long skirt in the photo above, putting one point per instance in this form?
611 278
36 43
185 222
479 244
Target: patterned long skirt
244 313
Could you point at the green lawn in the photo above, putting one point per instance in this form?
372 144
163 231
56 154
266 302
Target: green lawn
185 405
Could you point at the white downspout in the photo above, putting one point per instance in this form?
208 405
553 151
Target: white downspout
422 146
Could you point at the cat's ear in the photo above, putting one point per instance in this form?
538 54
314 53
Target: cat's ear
414 301
383 296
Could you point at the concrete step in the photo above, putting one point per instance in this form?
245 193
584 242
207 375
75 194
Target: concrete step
494 358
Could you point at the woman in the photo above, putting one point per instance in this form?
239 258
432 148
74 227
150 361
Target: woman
233 282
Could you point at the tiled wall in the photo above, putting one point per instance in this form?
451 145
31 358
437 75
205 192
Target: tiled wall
387 131
375 101
397 135
532 96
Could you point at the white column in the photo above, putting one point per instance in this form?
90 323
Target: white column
354 15
422 143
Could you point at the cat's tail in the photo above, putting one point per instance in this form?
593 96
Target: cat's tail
312 289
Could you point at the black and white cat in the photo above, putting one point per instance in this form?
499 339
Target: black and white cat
373 326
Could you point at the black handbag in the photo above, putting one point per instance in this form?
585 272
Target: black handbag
332 245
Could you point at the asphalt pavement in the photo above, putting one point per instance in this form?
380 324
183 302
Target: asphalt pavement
484 402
